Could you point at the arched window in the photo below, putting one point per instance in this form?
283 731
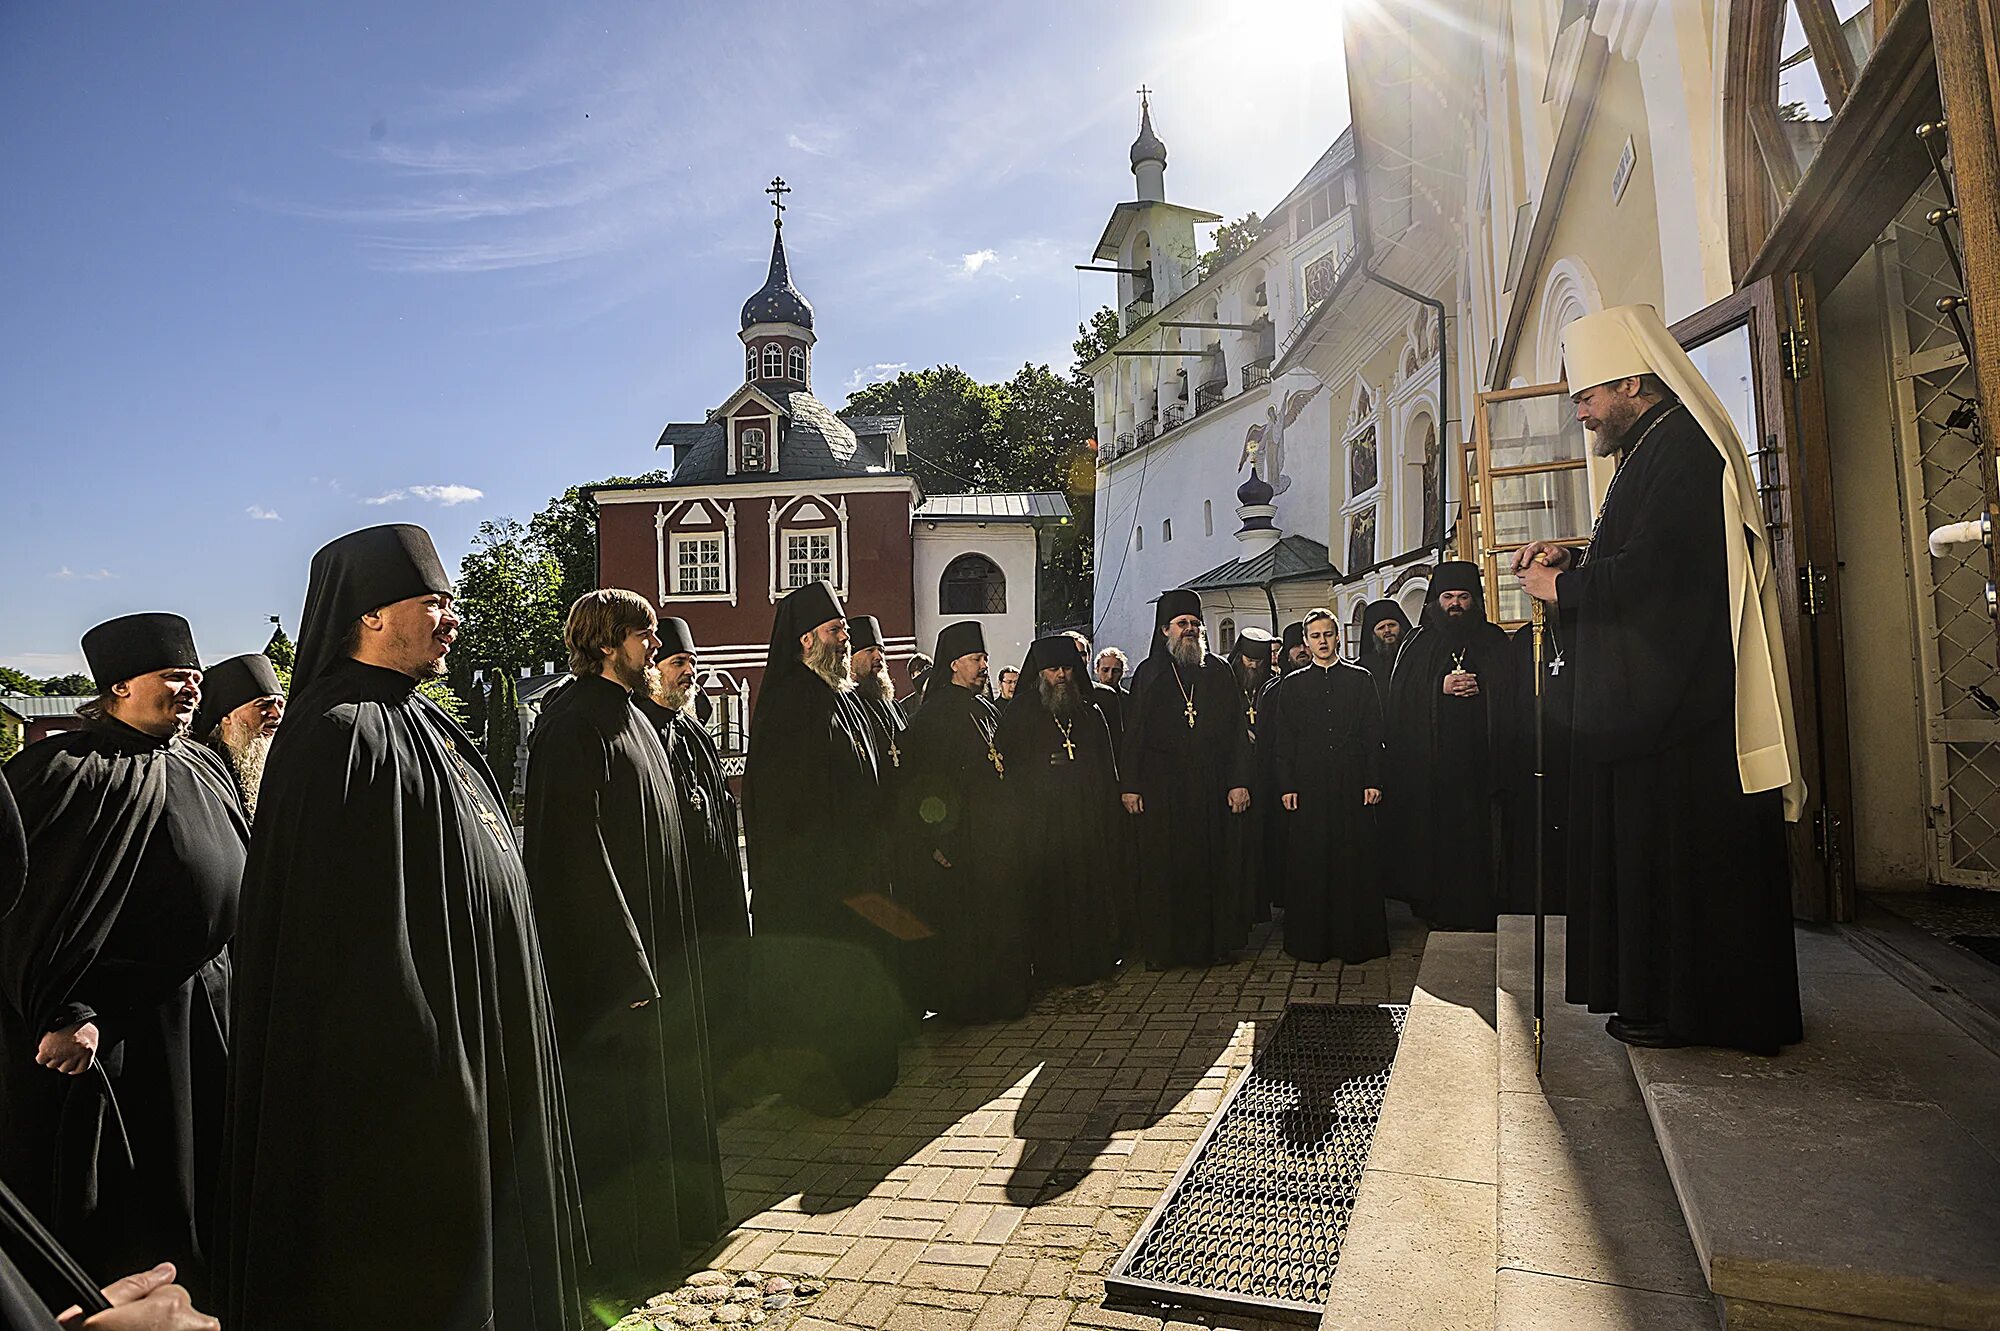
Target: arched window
774 360
1208 519
1225 636
972 585
1166 529
1138 537
750 450
799 364
749 362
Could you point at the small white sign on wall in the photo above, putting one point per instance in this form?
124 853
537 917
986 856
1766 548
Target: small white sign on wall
1623 175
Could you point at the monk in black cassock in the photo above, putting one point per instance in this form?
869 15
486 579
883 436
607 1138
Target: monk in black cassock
116 964
1105 686
1063 781
1329 760
1558 683
1384 629
242 704
608 869
711 832
1268 709
1186 773
826 922
1451 722
1295 654
1685 757
958 867
1250 659
875 691
398 1144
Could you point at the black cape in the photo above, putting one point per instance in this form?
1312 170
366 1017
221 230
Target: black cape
1260 869
398 1150
820 902
952 802
1680 906
1329 751
135 849
885 731
1449 765
603 850
711 832
1193 855
1073 833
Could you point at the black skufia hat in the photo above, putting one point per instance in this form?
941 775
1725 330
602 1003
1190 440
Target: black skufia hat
799 613
354 574
133 645
961 639
1295 635
863 632
675 637
227 685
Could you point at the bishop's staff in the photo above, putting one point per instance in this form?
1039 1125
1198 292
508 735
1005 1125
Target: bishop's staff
1539 626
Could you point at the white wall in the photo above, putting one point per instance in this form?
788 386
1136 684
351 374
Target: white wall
1012 547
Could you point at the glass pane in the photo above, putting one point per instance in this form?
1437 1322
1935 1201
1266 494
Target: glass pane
1803 112
1726 363
1511 604
1534 429
1541 506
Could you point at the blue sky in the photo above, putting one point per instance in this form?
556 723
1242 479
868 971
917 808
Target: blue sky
274 272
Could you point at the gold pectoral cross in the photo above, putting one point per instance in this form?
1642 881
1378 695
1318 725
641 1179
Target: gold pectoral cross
1253 713
1189 709
485 815
1069 747
993 756
895 754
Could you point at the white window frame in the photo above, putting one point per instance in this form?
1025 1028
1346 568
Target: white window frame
774 360
685 540
666 552
743 440
831 535
749 362
798 363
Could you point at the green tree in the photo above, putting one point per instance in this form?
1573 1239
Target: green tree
953 423
67 686
438 690
14 681
1047 423
508 600
566 530
503 730
279 651
1230 240
1093 339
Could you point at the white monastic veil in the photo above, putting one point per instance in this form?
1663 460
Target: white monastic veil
1631 340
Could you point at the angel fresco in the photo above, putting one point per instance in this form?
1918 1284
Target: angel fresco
1264 443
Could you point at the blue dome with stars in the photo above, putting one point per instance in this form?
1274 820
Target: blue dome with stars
778 301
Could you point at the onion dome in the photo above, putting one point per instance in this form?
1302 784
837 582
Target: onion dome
778 301
1147 147
1255 491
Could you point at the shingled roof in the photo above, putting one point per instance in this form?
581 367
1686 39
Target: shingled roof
816 445
1290 559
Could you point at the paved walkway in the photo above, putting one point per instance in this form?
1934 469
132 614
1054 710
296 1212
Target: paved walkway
1003 1176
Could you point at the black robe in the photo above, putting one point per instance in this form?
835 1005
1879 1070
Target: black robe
605 861
711 830
398 1148
820 901
1192 849
1112 704
1073 837
135 850
1254 896
1329 751
952 803
885 731
1269 710
1557 685
1679 901
1449 765
1380 663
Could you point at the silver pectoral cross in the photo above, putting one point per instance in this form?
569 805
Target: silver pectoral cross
1556 666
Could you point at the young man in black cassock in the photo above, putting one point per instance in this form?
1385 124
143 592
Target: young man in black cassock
1329 770
607 864
1185 774
1250 658
826 921
1384 627
399 1147
1063 781
1451 723
1685 758
958 866
875 691
710 828
116 964
242 705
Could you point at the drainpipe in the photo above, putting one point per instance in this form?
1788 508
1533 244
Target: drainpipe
1268 596
1444 471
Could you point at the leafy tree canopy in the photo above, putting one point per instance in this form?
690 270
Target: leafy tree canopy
509 591
1230 240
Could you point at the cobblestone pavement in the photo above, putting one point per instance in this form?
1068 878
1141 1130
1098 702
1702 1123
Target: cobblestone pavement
1012 1163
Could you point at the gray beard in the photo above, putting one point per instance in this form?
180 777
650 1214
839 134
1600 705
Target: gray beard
248 759
1061 698
674 700
1187 651
830 663
876 686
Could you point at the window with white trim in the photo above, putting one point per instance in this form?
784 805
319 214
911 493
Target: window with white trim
808 557
698 567
774 360
750 450
799 364
749 362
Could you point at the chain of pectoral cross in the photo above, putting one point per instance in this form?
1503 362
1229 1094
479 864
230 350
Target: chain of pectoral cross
992 754
1186 697
1068 747
463 771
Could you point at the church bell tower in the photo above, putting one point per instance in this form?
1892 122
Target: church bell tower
777 322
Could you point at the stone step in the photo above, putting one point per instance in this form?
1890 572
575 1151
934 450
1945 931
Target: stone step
1855 1179
1419 1247
1589 1232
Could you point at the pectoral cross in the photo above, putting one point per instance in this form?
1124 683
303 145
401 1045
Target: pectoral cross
1069 747
1556 666
993 756
1253 713
895 754
484 814
1189 709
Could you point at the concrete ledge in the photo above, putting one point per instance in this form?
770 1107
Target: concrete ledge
1854 1176
1419 1248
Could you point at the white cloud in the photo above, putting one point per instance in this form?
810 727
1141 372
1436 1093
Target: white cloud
262 514
42 664
879 373
972 263
68 574
447 495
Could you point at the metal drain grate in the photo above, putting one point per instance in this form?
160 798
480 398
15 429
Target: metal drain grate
1254 1220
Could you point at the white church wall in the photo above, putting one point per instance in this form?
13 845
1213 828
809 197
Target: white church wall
1012 548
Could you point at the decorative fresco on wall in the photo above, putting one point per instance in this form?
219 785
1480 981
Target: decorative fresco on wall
1264 442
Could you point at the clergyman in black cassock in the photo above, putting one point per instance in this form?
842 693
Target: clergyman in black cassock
1685 758
242 705
710 827
1384 628
824 917
1186 773
116 965
1329 770
958 866
1250 658
1063 780
606 863
1450 727
875 692
398 1143
1558 681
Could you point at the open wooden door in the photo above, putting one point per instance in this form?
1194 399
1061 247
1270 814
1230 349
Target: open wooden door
1758 349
